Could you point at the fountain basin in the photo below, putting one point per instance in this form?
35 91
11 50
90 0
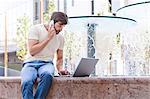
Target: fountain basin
119 87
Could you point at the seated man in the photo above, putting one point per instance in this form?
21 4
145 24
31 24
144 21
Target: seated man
43 41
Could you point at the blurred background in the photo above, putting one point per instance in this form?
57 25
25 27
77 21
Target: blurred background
114 31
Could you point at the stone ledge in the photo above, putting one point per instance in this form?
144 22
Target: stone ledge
84 88
104 80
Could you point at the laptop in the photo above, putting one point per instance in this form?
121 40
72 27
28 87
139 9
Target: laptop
85 67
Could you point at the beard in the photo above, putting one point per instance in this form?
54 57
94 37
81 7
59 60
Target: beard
57 31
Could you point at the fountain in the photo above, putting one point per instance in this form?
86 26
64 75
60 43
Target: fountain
97 37
138 11
139 46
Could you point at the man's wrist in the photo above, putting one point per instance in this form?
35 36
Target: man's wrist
60 73
48 39
60 69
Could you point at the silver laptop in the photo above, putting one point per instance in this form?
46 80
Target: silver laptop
85 67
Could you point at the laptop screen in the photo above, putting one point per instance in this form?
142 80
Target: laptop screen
85 67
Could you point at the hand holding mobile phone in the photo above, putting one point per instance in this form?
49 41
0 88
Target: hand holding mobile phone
51 29
51 23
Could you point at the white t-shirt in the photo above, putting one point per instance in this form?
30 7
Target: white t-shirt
38 32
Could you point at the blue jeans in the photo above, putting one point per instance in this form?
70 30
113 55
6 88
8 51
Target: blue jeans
29 73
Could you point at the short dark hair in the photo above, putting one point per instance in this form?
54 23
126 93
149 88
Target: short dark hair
59 16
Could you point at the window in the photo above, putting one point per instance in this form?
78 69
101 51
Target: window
36 8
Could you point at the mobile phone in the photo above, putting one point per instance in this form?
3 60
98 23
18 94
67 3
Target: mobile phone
51 23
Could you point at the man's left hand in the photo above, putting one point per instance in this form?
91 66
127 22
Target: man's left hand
63 72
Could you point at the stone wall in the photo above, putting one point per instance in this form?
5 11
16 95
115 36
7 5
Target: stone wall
85 88
10 88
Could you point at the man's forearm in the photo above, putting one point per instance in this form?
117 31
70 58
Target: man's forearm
38 47
60 69
59 64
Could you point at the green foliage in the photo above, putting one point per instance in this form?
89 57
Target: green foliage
23 25
51 7
72 45
147 52
147 45
118 38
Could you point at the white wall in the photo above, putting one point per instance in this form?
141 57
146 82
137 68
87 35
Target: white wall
82 7
24 8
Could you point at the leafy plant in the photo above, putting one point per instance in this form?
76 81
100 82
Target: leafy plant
72 45
23 25
50 9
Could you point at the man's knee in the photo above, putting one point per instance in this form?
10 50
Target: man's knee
47 76
27 82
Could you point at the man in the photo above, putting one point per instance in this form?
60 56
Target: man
43 42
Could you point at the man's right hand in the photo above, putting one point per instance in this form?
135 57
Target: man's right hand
51 32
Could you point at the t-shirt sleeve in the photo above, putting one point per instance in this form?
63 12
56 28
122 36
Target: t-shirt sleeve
33 33
61 45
